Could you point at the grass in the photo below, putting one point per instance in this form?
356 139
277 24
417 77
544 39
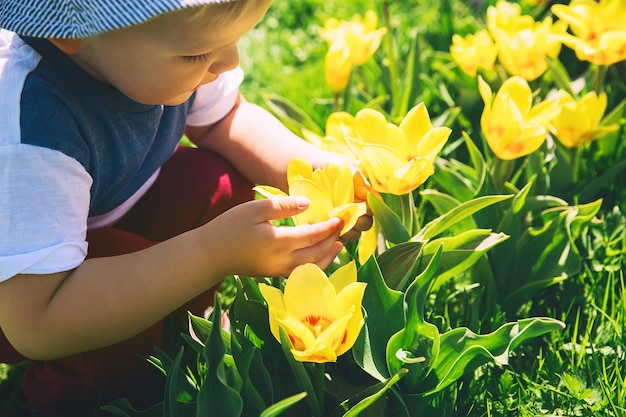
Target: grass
578 372
12 403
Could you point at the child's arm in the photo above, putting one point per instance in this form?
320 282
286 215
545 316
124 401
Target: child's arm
260 147
107 300
257 144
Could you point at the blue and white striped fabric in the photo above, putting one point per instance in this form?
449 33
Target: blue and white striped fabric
76 19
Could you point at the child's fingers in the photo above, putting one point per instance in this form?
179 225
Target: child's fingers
279 207
329 255
321 253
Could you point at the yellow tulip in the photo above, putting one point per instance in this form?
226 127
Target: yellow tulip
523 43
511 124
398 159
321 315
474 51
360 35
330 191
338 67
599 29
524 53
506 19
340 136
579 121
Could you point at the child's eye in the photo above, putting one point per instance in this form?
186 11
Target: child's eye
196 59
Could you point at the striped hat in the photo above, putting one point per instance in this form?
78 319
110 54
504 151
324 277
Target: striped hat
75 19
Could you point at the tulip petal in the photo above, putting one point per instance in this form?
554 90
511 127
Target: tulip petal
336 335
432 143
371 126
274 298
304 282
518 90
319 201
350 214
319 353
269 192
340 124
410 176
300 336
485 92
343 276
415 125
299 168
340 182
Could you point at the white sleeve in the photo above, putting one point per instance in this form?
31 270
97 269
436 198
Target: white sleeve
213 101
44 204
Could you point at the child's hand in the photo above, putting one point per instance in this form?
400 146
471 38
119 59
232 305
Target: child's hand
244 241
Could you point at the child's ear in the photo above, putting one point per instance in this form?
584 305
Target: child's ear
69 46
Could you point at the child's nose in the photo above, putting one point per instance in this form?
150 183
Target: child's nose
228 59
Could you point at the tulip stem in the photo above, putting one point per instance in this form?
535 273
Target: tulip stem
319 375
501 171
336 102
347 92
575 163
391 59
600 78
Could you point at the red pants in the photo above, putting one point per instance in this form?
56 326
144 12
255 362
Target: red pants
194 186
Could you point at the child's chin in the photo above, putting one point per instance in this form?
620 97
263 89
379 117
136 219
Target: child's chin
175 101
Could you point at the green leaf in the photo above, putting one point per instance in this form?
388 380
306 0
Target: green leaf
391 225
302 379
185 388
279 407
257 381
195 344
417 339
411 87
461 212
460 252
478 161
216 397
378 390
461 181
291 115
609 143
452 177
250 316
561 77
384 316
200 329
172 388
551 246
444 203
254 403
462 350
595 187
122 407
398 265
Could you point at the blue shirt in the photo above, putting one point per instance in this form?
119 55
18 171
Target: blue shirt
119 142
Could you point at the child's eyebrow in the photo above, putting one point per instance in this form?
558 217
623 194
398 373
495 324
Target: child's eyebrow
198 44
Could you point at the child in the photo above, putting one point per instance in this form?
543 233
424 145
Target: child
107 226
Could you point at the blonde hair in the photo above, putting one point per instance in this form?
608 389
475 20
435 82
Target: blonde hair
227 10
193 14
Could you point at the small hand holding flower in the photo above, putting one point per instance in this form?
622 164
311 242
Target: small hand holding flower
333 191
